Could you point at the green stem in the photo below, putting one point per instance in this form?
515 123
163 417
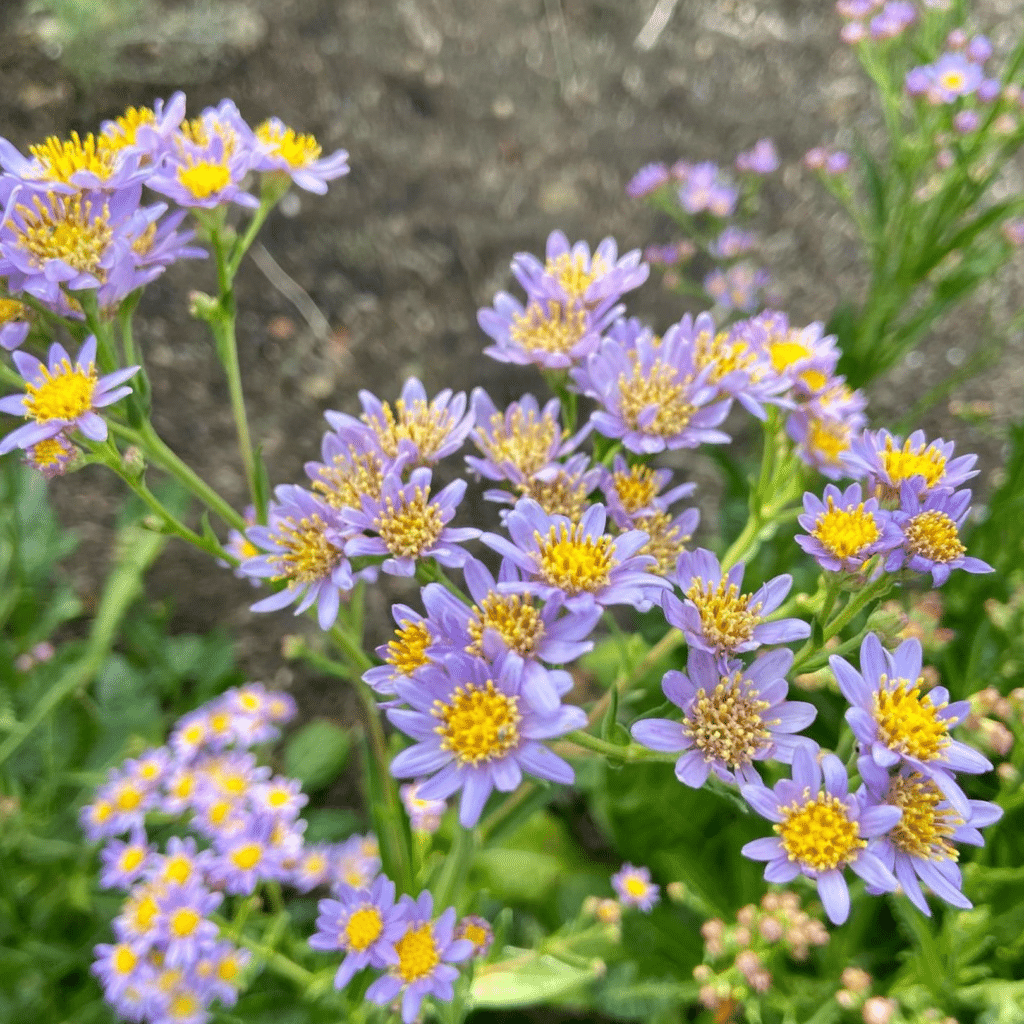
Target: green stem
277 962
631 754
455 868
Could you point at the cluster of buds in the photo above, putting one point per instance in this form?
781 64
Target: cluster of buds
990 719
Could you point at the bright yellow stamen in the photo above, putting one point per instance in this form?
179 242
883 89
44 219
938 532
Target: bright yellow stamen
726 616
846 532
306 555
573 274
183 786
101 811
412 527
194 733
65 393
66 228
417 953
363 928
124 959
819 833
50 452
480 723
476 934
556 329
297 150
220 722
665 541
952 80
11 310
131 858
183 1005
635 886
408 650
563 495
424 426
249 702
660 388
908 721
722 354
933 535
177 868
218 812
126 127
278 797
727 724
925 828
514 619
234 783
60 160
143 911
785 353
574 562
247 857
526 442
184 921
203 178
815 380
829 438
351 477
127 797
227 969
903 463
636 487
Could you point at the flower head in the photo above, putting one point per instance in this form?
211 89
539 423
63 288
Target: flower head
405 652
283 149
843 531
820 832
635 888
648 179
424 815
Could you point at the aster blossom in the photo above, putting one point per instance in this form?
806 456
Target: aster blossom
298 155
475 731
895 722
821 831
61 396
717 617
579 562
732 716
405 652
633 492
634 887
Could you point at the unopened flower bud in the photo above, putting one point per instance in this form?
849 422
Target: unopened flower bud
676 892
608 911
770 929
133 461
746 915
202 306
292 646
856 980
879 1010
702 973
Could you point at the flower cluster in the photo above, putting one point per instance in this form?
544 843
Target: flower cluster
170 961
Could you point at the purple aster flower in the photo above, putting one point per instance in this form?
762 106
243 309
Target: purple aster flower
856 9
895 722
356 863
732 716
805 357
762 159
820 832
635 888
424 815
421 432
143 128
966 121
181 865
246 857
633 491
409 524
511 625
304 541
718 618
353 465
124 863
918 81
479 932
222 964
519 442
895 17
670 254
476 731
279 797
919 848
425 952
405 652
1013 232
51 457
203 163
283 149
737 287
648 179
886 463
844 531
571 275
650 394
120 966
707 188
562 488
853 32
931 534
979 49
184 930
365 923
162 244
953 76
732 242
577 561
14 323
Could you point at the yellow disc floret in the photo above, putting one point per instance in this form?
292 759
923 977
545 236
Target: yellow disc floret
828 438
246 857
349 478
908 722
123 959
203 178
845 533
572 561
573 274
726 616
408 650
479 723
184 921
665 541
636 487
66 228
728 724
660 388
525 441
66 392
934 536
556 329
819 833
412 527
512 617
925 828
903 463
363 928
307 554
59 160
417 953
417 421
295 149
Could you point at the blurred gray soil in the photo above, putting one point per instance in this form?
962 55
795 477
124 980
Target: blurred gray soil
474 127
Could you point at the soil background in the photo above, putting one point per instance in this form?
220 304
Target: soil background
474 127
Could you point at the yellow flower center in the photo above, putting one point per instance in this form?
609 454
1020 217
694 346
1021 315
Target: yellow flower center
479 723
819 833
127 797
952 80
203 178
101 811
573 274
184 921
183 1006
636 487
278 797
412 527
220 722
249 702
183 786
574 562
227 969
66 228
815 380
65 393
126 128
635 886
665 542
417 953
408 650
60 160
525 442
925 829
194 733
217 812
556 329
903 463
124 959
424 426
307 555
721 354
232 782
514 619
363 928
476 934
144 912
934 536
829 438
131 858
50 452
297 150
846 532
245 858
564 495
349 478
177 869
11 310
908 721
786 352
727 724
659 387
726 617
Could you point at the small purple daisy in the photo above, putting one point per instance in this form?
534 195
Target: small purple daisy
635 888
284 150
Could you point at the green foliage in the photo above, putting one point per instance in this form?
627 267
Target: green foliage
316 754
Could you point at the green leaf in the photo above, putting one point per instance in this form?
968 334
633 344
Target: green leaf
518 876
538 980
316 754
